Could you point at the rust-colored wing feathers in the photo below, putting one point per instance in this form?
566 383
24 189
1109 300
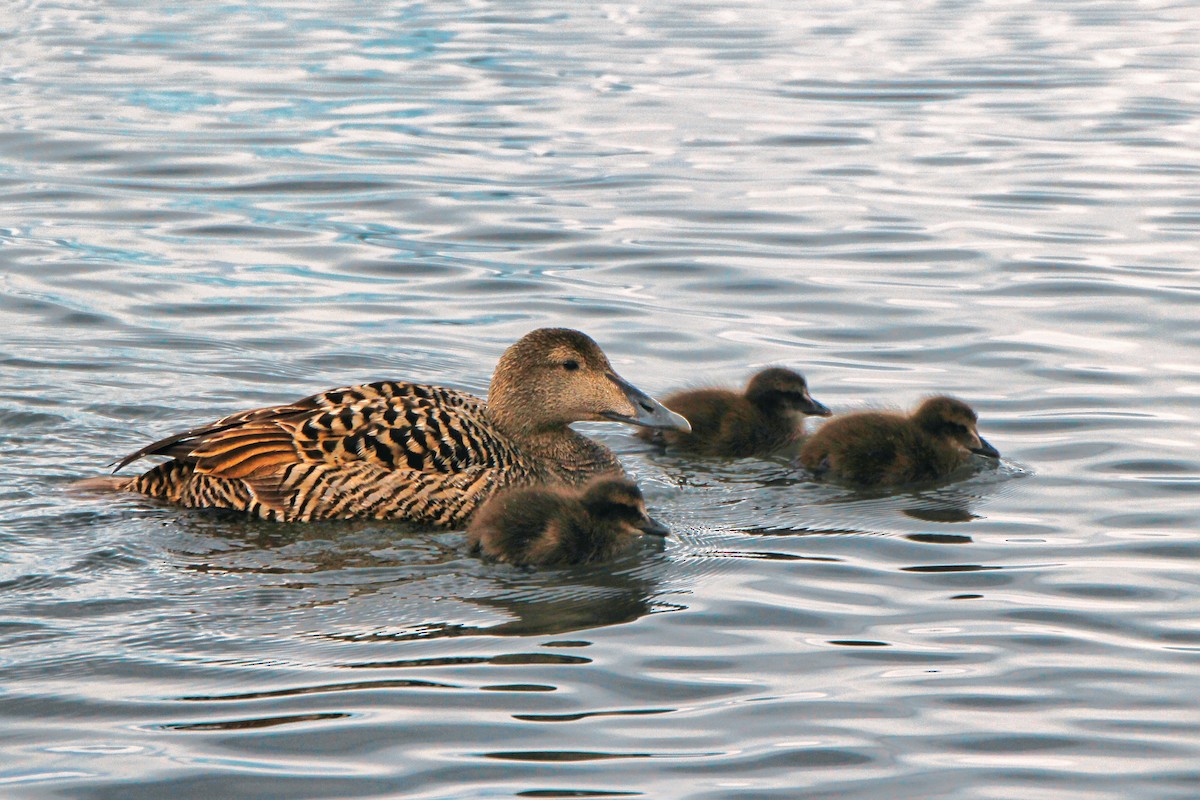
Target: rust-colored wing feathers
180 445
244 451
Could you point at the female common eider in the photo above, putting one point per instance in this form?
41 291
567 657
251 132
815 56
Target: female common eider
545 525
394 450
874 448
766 417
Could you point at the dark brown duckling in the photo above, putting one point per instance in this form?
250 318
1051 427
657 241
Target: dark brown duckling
768 416
554 525
876 448
394 450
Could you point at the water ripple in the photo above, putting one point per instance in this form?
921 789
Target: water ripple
221 207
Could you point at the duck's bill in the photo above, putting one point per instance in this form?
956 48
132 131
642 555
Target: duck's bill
647 412
985 449
653 527
815 409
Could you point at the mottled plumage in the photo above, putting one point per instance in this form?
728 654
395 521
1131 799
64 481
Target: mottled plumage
768 416
394 450
875 448
561 525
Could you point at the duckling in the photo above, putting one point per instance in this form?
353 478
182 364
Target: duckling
875 448
407 451
766 417
560 525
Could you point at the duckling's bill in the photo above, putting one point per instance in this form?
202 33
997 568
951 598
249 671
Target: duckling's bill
985 449
647 412
814 408
653 527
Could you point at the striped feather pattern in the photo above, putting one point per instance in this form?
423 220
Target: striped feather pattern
384 450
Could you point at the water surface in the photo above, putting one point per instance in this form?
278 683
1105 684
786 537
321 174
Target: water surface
208 208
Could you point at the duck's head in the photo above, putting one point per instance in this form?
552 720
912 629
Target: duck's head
783 388
954 420
552 377
620 501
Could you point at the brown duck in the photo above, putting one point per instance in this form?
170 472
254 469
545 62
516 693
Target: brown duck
875 448
552 525
392 450
766 417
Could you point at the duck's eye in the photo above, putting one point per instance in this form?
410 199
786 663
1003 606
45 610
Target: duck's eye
570 365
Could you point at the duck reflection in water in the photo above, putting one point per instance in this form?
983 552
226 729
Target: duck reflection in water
766 417
390 583
875 448
556 525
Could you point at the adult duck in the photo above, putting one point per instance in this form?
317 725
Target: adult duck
764 418
555 525
407 451
876 448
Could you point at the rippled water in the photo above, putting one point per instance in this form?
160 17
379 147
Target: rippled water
209 207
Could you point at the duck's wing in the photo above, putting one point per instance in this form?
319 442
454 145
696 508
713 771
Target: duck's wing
397 433
393 425
180 445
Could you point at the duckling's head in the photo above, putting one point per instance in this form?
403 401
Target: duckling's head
953 419
619 501
555 376
783 388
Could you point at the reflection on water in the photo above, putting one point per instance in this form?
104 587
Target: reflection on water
211 208
416 575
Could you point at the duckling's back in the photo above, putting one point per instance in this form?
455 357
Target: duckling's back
724 423
526 525
877 448
703 409
855 447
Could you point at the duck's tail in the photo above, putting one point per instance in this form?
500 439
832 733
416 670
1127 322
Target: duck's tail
102 483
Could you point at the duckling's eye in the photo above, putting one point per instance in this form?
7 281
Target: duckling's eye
570 365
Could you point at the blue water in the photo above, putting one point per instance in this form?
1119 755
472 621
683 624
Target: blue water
212 207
